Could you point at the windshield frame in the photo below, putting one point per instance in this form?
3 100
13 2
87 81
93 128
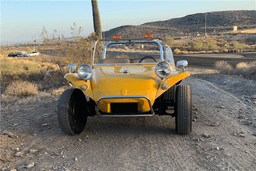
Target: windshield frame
124 41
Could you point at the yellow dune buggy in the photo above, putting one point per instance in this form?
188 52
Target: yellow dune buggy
126 78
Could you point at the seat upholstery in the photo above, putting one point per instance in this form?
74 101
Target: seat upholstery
114 60
147 60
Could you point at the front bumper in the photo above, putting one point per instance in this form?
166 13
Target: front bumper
138 114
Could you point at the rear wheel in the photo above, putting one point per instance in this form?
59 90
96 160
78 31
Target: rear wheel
183 110
72 113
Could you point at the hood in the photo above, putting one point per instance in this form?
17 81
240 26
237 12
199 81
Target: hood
125 80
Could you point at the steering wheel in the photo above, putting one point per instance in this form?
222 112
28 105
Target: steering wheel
147 57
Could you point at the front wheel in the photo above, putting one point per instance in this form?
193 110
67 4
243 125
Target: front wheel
72 114
183 120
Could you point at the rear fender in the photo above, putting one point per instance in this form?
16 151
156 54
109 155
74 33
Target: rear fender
171 80
78 82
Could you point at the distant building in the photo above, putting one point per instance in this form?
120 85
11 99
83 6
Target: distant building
234 28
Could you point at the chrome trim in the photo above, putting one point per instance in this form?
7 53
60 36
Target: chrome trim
182 64
124 42
75 75
114 64
94 51
71 67
123 97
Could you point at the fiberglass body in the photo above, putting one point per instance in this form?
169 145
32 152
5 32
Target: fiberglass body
129 81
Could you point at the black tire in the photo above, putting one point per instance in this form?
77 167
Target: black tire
183 110
72 114
170 95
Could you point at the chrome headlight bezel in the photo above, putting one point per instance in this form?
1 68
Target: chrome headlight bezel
71 67
163 69
84 71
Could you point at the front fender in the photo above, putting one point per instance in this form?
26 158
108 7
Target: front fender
78 82
171 80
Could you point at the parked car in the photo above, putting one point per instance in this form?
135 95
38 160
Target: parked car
126 79
21 54
33 54
12 54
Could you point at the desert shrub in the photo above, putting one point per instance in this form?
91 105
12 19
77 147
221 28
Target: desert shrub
223 67
238 45
210 45
49 68
241 65
21 89
79 52
220 40
176 51
168 40
53 79
201 45
184 52
198 45
189 45
248 70
35 77
252 69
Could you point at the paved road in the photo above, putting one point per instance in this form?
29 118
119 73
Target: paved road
203 60
208 60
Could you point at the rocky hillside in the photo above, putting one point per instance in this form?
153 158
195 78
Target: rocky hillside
215 21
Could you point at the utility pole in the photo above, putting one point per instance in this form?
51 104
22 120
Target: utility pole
96 19
205 24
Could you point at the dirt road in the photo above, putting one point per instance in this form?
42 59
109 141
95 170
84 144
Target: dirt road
221 139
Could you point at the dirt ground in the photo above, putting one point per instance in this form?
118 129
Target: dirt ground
223 136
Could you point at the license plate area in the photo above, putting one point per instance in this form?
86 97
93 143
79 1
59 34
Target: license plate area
123 108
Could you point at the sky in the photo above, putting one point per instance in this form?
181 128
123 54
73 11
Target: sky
23 21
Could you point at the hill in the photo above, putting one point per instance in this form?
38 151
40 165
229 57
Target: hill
220 21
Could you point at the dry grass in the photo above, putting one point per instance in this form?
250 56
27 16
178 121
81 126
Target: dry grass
22 69
241 65
247 70
223 67
21 89
177 51
46 71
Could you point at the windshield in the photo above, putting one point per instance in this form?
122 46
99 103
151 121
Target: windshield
128 52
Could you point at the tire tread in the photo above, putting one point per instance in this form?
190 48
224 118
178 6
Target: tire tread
184 110
62 112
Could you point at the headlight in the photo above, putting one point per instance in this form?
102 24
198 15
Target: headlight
84 71
163 69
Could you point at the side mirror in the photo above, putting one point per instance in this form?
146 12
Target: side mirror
182 64
71 67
